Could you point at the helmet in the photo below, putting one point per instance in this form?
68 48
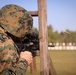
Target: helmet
15 20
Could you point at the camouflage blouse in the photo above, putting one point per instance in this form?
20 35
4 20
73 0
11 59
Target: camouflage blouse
10 63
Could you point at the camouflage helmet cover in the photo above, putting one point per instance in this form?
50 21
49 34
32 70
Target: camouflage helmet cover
15 20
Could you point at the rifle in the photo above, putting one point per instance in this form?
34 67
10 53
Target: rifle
30 43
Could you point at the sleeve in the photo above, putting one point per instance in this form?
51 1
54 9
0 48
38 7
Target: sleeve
10 63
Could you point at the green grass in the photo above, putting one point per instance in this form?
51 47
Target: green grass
64 62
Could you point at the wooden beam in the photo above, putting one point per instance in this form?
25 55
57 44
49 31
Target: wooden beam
33 13
51 66
42 18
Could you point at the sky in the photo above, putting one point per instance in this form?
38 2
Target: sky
61 14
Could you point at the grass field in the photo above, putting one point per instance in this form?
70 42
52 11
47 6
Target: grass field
64 62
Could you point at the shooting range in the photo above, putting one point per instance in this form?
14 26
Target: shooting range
52 39
46 65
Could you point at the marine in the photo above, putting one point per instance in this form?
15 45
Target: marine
14 20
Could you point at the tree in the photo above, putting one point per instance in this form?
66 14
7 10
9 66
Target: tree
68 36
52 36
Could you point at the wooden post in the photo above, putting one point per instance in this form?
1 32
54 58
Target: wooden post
46 65
33 68
42 18
51 66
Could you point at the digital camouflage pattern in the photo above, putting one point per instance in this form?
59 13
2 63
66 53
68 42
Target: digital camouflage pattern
15 20
10 63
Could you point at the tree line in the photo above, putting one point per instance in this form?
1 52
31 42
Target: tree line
66 36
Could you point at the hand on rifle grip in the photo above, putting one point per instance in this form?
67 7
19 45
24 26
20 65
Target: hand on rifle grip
27 56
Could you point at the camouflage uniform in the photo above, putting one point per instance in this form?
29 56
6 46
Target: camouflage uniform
16 21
